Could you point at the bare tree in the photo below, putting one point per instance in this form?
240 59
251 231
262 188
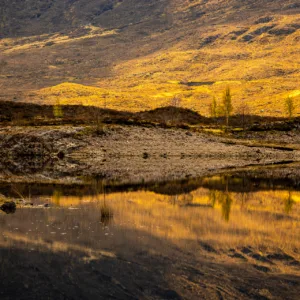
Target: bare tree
243 110
227 106
289 106
176 101
213 108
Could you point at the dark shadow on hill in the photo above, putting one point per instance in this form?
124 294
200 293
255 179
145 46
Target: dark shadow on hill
22 114
32 17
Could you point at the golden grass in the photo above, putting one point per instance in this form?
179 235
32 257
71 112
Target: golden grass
153 81
261 74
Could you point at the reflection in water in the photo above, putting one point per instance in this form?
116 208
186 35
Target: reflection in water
107 241
222 198
288 203
183 199
220 213
106 212
9 207
226 206
57 195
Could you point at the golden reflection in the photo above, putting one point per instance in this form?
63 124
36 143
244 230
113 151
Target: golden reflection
252 217
226 206
106 212
224 199
288 203
57 195
221 217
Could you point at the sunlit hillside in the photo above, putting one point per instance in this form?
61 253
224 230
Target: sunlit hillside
137 56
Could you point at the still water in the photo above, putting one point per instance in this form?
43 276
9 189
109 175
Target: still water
226 220
215 212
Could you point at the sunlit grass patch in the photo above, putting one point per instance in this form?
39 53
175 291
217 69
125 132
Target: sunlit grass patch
257 73
214 130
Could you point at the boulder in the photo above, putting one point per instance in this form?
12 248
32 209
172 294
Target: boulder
9 207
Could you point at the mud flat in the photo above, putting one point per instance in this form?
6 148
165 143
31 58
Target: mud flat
123 154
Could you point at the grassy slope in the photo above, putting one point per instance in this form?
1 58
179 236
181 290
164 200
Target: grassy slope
163 52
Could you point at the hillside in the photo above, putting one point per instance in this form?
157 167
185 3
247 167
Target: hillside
136 55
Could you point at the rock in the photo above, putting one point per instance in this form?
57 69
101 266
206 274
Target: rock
279 256
264 20
262 30
27 146
145 155
60 155
282 31
168 294
262 268
247 38
209 39
238 255
246 250
9 207
292 6
239 32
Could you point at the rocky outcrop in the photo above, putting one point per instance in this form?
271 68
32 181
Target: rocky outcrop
22 145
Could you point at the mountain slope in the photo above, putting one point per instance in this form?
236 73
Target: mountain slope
137 55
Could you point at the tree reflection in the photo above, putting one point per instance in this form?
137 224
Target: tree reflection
183 200
106 213
223 198
213 197
57 194
288 203
226 206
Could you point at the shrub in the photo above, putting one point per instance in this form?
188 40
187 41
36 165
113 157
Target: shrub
227 106
57 110
213 108
289 107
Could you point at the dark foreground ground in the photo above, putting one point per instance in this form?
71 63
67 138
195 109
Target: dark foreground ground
136 275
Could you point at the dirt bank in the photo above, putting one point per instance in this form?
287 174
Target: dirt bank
124 153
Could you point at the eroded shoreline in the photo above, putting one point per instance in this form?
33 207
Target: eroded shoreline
124 154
